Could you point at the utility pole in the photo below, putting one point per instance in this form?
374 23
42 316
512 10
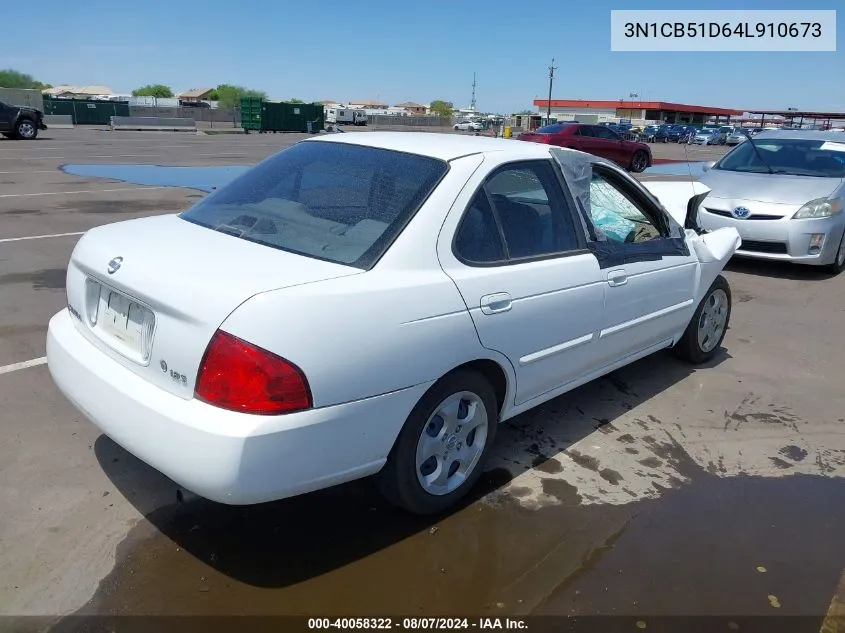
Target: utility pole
552 69
472 103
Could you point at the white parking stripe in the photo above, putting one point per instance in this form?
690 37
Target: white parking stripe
30 149
5 369
31 171
70 193
38 237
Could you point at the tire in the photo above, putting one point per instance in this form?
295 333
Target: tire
639 162
26 130
838 264
400 479
690 347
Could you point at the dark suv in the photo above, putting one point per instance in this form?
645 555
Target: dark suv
20 121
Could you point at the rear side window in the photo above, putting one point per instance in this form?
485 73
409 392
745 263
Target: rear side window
606 133
333 201
519 213
478 239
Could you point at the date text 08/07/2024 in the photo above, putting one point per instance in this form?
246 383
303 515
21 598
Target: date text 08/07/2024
726 29
417 623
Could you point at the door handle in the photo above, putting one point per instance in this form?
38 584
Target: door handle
498 302
617 278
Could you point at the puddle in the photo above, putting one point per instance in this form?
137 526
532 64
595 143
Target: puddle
199 557
202 178
693 168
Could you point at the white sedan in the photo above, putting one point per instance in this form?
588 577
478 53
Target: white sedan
470 126
377 303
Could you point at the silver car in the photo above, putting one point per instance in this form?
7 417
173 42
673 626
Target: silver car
707 136
737 136
784 191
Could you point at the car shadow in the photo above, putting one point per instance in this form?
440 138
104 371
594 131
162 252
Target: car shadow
285 542
777 269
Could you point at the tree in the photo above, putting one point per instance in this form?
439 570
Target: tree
443 108
213 95
15 79
229 96
153 90
295 100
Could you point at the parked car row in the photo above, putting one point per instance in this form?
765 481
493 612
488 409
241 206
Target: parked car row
707 135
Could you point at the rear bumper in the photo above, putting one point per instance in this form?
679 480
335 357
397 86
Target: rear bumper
784 240
226 456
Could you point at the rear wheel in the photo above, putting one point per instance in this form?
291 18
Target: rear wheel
838 264
706 329
26 130
639 161
440 452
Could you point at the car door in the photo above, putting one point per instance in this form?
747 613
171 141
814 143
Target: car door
533 290
583 139
5 117
648 268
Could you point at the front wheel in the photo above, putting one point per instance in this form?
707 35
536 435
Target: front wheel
838 264
440 452
639 161
706 329
26 130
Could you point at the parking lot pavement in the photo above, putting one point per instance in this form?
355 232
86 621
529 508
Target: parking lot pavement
662 489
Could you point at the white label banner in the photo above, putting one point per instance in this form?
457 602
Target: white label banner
704 30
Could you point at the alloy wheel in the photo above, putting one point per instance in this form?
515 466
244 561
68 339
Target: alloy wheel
451 443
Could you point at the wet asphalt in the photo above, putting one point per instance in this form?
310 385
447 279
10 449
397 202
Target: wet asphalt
659 491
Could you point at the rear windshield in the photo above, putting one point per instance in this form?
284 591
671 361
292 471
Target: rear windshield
799 157
333 201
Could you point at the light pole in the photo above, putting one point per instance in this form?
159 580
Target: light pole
632 95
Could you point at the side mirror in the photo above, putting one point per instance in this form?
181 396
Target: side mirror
708 166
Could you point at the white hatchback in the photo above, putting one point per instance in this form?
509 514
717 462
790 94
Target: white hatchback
377 303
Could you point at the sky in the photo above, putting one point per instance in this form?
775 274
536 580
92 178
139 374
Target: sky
400 51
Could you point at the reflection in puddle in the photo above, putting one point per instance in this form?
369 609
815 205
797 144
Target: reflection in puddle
202 178
692 168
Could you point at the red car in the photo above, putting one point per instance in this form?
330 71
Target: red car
594 139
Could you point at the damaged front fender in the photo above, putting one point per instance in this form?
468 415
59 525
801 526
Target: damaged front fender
713 251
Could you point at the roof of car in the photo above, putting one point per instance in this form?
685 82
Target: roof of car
818 135
441 146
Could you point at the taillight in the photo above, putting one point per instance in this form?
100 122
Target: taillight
240 376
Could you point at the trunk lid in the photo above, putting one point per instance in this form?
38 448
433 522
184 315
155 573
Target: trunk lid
159 288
